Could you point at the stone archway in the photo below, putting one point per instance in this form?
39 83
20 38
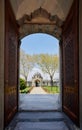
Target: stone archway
58 35
37 83
37 80
40 21
43 21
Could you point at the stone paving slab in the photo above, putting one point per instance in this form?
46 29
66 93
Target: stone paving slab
40 116
39 102
41 126
38 90
41 121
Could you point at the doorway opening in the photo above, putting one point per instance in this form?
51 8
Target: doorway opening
43 20
40 69
37 83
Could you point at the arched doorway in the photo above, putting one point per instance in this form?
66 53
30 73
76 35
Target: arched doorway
37 80
37 83
70 89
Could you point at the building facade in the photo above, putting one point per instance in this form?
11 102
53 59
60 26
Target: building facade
38 80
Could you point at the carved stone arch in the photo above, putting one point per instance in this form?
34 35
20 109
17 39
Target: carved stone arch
53 30
40 12
40 21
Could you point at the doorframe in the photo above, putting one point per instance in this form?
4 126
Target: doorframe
2 23
80 61
2 41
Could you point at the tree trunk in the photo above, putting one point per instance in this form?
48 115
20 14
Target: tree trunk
51 82
26 80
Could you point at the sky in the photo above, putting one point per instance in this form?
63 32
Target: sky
40 43
45 76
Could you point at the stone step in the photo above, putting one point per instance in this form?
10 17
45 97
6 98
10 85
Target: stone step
40 116
40 121
41 126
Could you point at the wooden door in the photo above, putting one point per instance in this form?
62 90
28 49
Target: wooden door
11 57
70 65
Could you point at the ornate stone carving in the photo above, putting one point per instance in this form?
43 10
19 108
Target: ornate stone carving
37 28
40 13
40 21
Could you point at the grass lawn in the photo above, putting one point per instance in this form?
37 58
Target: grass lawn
51 89
26 90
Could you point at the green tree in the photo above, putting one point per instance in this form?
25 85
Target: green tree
22 84
48 64
26 64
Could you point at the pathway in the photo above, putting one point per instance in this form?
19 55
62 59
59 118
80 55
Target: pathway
38 90
41 121
40 102
37 112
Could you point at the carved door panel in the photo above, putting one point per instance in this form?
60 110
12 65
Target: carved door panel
70 65
11 51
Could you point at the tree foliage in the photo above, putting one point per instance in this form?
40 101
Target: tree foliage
48 64
26 64
22 84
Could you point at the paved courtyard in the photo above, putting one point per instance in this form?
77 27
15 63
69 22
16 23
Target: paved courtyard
40 112
39 102
41 121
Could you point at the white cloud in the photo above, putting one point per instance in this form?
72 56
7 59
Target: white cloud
45 76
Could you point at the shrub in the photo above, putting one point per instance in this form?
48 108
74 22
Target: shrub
22 84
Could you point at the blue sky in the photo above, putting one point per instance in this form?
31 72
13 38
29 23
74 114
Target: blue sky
37 44
40 43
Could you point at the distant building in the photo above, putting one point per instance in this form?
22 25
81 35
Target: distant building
38 80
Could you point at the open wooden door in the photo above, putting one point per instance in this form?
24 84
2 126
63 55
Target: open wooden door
11 65
70 64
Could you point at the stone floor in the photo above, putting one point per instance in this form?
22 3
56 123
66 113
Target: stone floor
39 102
37 90
40 112
40 121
